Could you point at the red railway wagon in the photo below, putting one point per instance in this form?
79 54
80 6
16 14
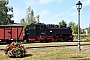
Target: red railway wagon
10 33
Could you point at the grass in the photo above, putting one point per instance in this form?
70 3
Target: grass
51 54
3 46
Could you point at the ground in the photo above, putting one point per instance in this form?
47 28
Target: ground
36 51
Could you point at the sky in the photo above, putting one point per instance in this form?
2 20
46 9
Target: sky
53 11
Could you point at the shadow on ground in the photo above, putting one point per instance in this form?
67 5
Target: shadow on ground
80 58
84 59
26 55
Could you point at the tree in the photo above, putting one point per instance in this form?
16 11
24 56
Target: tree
62 23
82 31
23 23
71 24
75 29
88 30
38 18
29 18
5 18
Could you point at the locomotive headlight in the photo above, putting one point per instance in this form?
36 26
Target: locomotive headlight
50 30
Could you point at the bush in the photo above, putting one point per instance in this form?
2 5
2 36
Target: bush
15 49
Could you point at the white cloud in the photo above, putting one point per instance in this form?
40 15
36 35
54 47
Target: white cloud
58 1
73 14
61 14
86 3
34 2
73 7
48 1
44 12
31 2
45 1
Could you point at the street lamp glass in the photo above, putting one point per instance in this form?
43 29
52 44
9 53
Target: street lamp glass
79 5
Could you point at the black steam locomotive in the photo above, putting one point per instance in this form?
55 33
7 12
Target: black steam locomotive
48 32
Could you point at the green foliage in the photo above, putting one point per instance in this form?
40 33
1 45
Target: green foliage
29 18
23 23
62 23
82 31
38 18
75 28
88 29
71 24
4 17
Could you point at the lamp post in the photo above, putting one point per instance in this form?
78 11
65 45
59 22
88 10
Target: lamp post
79 6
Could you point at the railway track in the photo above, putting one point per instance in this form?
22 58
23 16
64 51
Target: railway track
39 47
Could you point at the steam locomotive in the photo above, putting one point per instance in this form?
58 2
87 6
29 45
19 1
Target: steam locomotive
48 32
